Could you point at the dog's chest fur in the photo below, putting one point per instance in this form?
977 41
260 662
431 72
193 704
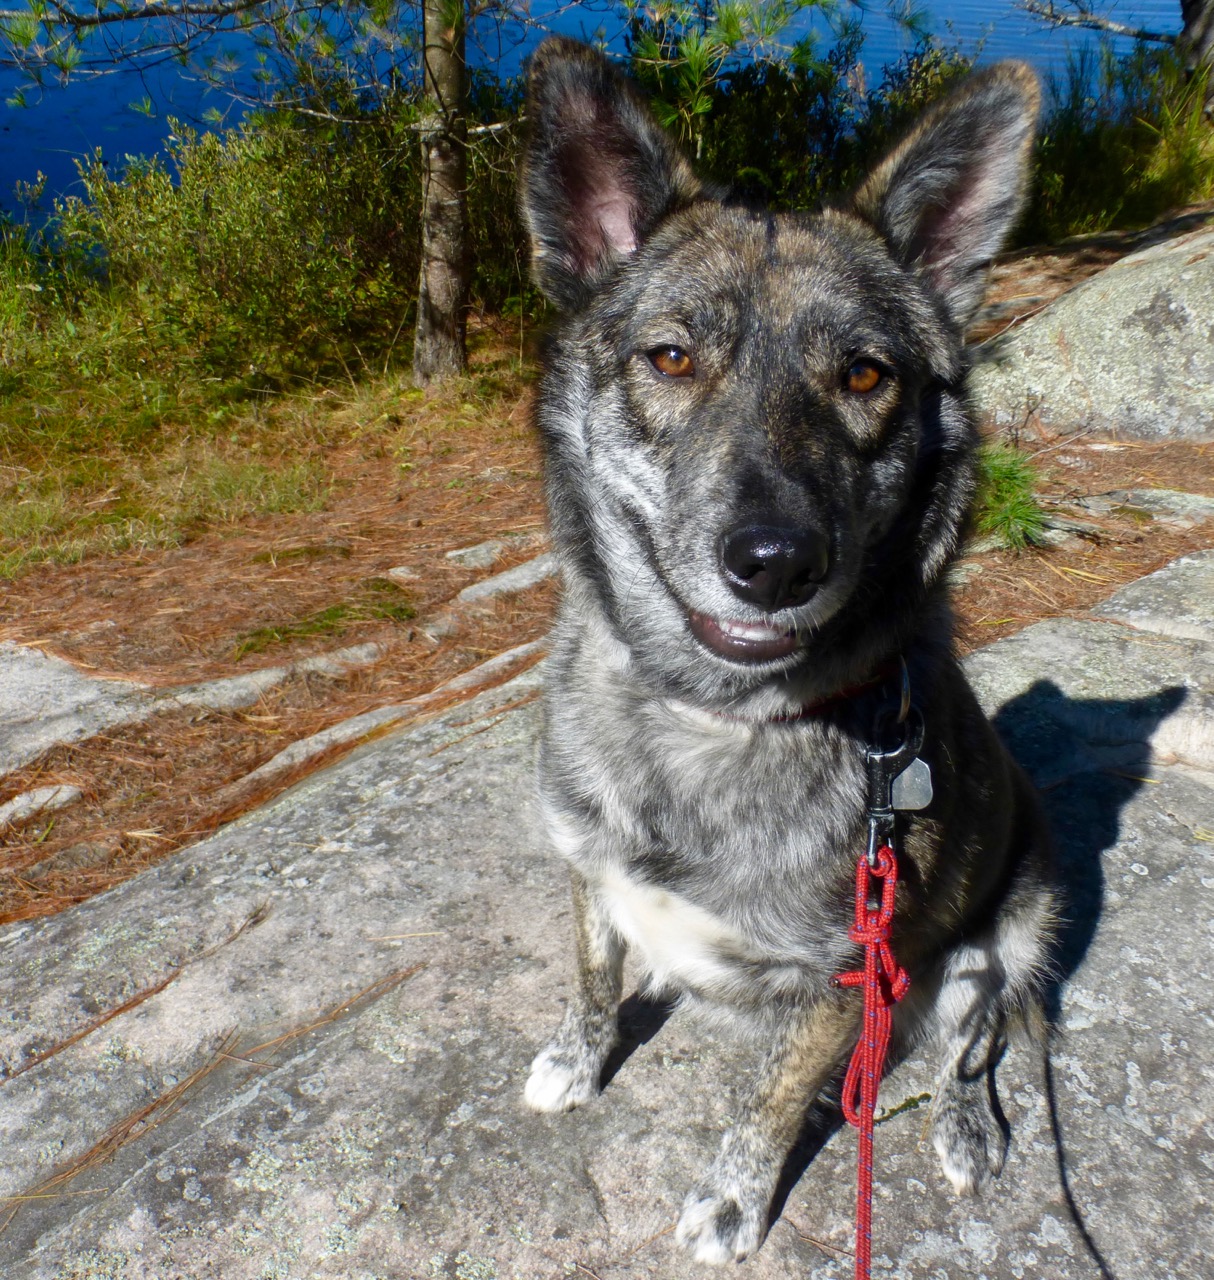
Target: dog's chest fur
714 843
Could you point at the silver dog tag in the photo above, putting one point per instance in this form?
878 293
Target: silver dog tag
912 788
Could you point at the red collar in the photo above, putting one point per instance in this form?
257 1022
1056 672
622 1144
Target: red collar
819 706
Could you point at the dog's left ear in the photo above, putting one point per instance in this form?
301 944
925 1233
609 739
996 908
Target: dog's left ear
947 196
598 174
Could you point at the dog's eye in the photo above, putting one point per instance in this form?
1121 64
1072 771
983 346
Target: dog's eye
862 377
672 362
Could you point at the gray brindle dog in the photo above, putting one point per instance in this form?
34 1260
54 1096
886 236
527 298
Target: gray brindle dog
759 468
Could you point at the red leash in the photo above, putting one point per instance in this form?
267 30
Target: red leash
884 983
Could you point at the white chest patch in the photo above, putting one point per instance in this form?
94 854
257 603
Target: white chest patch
681 944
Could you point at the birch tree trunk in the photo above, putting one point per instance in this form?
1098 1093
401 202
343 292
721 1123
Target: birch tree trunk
438 349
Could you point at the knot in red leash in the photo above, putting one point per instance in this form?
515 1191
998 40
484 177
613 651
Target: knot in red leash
884 983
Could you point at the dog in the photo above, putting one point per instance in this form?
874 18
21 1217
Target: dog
759 467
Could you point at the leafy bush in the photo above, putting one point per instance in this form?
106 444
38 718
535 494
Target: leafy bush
805 114
500 282
822 130
270 246
19 289
1124 138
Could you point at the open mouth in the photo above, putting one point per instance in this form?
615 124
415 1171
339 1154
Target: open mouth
743 641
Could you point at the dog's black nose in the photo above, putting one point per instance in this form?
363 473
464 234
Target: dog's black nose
772 567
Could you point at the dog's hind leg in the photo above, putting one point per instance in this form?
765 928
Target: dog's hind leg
984 982
724 1218
566 1073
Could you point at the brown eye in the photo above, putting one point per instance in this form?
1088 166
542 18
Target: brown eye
672 362
862 377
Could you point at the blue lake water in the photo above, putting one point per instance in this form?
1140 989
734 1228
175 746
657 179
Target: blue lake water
91 111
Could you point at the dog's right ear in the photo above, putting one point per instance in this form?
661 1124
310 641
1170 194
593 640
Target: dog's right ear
946 198
598 174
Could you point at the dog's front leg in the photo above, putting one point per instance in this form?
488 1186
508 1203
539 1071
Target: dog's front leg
566 1073
724 1218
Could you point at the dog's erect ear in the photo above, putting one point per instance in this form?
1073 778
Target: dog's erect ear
949 193
598 174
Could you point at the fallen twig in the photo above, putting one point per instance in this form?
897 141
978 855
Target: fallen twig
163 1106
254 918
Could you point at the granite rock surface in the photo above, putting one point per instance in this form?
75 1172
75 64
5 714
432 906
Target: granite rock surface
1129 352
297 1048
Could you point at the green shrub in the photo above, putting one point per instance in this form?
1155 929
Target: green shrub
1006 505
821 129
804 112
271 246
500 280
20 305
1125 140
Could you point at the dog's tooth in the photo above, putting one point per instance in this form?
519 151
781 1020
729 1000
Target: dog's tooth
752 630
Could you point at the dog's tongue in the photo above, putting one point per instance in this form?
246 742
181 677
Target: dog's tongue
742 641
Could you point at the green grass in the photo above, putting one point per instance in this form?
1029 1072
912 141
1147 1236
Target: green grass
315 551
379 600
1124 142
228 491
1006 506
60 519
68 509
108 538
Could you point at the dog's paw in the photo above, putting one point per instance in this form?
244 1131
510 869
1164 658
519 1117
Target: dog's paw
561 1080
719 1226
969 1140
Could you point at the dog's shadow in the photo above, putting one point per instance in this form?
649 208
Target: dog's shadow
1089 757
640 1019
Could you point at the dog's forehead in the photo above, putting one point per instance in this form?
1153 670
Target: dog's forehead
781 270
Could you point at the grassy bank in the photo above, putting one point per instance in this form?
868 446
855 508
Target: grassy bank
73 485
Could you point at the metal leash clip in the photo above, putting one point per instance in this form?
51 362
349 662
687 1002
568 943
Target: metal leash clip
899 780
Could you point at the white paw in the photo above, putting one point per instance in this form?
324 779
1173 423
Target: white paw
556 1084
961 1176
970 1145
717 1229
